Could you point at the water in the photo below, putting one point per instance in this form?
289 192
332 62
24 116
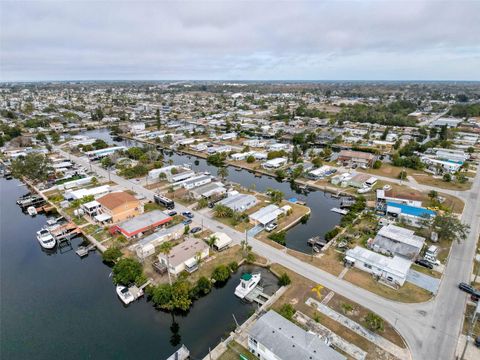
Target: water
60 306
321 218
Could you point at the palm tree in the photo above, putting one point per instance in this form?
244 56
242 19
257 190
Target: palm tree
433 194
211 240
222 172
165 248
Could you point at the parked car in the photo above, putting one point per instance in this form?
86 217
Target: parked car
466 287
477 341
196 229
187 214
364 190
271 227
424 263
187 221
172 213
475 296
431 260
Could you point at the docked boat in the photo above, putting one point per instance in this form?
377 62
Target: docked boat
339 211
124 294
32 211
46 239
248 282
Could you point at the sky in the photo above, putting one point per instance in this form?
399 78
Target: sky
239 40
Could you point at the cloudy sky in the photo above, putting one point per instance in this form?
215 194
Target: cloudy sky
239 39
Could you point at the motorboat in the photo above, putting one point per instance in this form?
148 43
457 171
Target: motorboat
46 239
124 294
31 211
248 282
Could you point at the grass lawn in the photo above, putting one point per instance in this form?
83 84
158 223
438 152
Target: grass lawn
408 293
386 170
426 271
330 261
469 310
431 181
233 351
150 206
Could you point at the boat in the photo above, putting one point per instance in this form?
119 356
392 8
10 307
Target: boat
124 294
316 249
339 211
46 239
31 211
248 282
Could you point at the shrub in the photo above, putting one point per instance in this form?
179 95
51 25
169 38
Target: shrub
284 280
374 322
126 271
111 255
287 311
233 266
250 159
203 287
329 235
278 237
221 273
377 164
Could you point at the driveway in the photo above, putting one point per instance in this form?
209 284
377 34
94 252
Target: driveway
424 281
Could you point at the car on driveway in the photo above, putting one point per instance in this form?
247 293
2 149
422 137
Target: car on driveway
187 214
172 213
424 263
187 221
195 230
466 287
271 227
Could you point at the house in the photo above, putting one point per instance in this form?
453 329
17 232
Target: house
91 208
273 337
222 241
358 180
265 215
384 196
410 215
356 157
196 181
142 223
185 256
98 154
228 136
137 127
274 163
441 166
81 193
208 190
146 246
239 202
392 270
120 206
448 122
395 240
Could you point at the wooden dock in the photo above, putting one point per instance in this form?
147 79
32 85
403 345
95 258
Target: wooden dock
181 354
257 295
83 251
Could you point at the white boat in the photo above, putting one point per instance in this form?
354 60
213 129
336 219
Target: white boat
339 211
124 294
248 282
31 211
46 239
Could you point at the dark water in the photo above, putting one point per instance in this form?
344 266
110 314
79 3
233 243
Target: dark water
321 218
58 306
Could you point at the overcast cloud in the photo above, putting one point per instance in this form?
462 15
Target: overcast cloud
310 40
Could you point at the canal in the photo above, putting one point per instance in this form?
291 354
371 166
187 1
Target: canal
56 305
321 218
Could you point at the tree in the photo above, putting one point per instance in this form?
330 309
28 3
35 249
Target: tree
433 195
135 152
233 266
165 249
41 137
280 174
297 172
402 175
34 166
157 117
99 144
222 172
276 196
55 137
111 255
317 162
447 177
221 273
250 159
374 322
211 240
106 162
126 271
284 280
204 286
377 164
449 227
172 297
202 203
222 211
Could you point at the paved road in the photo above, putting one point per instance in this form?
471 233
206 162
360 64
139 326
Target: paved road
431 329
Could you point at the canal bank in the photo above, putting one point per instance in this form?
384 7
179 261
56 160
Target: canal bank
57 305
320 221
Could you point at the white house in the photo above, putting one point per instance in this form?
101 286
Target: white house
185 256
81 193
273 337
136 127
144 246
266 215
275 163
392 239
222 241
393 270
239 202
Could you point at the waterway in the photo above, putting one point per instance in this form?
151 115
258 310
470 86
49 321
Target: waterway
58 306
321 218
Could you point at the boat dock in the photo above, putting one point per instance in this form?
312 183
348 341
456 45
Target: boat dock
65 232
181 354
339 211
317 241
83 251
257 295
